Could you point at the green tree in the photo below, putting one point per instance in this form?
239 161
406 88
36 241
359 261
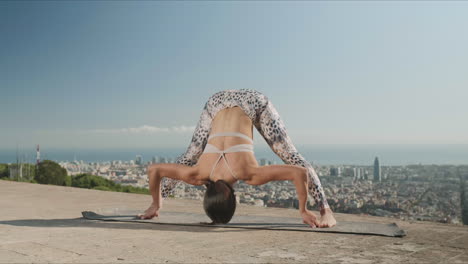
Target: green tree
99 183
4 171
68 181
50 172
90 181
102 188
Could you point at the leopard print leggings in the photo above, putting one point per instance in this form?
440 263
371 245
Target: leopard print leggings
268 123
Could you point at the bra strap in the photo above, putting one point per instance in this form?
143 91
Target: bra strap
229 167
216 163
227 163
231 134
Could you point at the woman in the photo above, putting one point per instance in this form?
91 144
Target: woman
225 132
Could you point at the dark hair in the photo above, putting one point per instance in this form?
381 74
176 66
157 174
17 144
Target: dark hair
219 201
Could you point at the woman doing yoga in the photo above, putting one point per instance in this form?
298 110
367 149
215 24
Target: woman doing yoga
221 153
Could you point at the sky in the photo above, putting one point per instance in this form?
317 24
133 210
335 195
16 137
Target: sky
129 74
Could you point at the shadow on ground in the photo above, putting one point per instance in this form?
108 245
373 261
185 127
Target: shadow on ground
83 222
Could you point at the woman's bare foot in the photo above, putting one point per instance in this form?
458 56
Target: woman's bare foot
151 212
327 219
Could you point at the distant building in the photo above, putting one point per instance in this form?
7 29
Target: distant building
138 160
464 197
335 172
349 172
358 173
377 171
155 159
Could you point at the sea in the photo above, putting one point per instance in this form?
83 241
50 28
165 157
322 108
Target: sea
363 155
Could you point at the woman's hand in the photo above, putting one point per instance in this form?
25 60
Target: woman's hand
151 212
327 219
309 218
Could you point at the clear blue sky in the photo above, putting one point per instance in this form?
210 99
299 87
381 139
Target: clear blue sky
96 74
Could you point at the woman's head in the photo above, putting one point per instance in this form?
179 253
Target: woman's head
219 201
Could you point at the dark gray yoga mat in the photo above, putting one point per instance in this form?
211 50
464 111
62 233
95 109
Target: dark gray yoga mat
246 222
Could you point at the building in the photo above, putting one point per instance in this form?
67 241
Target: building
377 171
349 172
139 160
358 173
335 171
464 196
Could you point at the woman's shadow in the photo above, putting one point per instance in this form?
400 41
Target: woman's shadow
87 223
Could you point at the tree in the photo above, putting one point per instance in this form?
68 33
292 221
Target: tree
50 172
4 170
99 183
91 181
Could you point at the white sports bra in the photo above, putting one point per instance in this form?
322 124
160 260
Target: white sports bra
209 148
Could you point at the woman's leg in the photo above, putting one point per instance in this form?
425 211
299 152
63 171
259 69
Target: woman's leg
194 150
270 125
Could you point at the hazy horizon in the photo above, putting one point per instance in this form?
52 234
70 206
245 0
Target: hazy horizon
320 154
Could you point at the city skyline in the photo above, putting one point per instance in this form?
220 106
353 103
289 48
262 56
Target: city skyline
136 75
319 155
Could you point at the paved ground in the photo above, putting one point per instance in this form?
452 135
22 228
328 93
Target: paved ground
42 223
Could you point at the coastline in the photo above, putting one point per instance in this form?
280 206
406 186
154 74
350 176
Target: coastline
320 154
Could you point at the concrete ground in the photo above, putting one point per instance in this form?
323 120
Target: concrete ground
43 223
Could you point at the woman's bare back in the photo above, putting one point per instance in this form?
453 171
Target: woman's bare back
231 119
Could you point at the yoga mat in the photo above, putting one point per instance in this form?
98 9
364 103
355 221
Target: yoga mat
245 222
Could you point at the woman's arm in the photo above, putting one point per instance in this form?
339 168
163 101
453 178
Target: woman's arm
296 174
156 172
299 176
188 174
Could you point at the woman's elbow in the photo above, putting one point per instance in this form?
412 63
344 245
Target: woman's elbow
152 170
302 175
